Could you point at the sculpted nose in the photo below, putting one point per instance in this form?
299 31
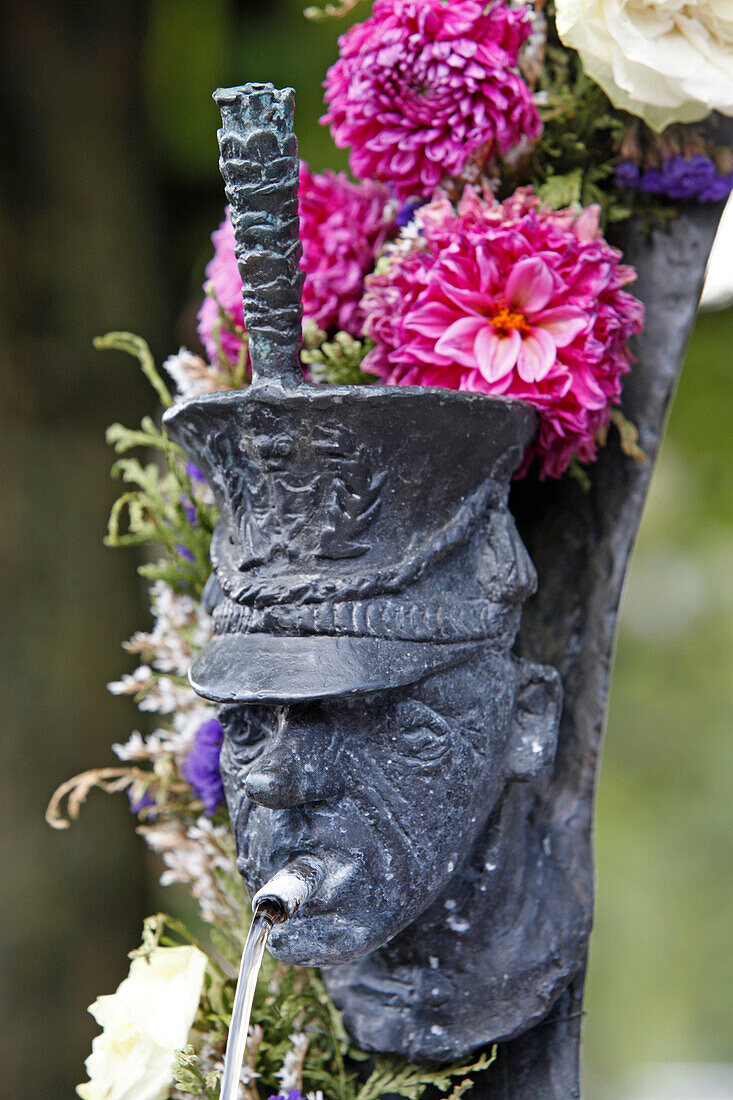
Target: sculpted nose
281 779
272 782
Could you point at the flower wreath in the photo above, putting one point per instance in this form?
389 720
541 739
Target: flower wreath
491 158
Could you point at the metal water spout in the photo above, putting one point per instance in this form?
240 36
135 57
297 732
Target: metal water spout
274 903
291 887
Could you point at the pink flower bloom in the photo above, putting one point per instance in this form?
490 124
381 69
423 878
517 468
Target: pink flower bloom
508 298
223 274
343 226
424 85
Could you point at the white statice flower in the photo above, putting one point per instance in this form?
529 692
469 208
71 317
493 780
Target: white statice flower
175 611
177 741
532 57
211 1060
170 652
181 629
138 749
193 375
202 492
663 60
291 1072
168 696
132 683
410 235
144 1023
192 857
186 722
134 749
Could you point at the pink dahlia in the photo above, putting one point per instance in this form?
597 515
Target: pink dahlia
223 275
508 298
423 86
343 226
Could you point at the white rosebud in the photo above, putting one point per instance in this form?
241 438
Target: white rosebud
145 1022
663 60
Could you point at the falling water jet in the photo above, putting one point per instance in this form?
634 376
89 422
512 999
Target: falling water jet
278 900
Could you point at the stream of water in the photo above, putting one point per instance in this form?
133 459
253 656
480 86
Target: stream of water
254 949
278 900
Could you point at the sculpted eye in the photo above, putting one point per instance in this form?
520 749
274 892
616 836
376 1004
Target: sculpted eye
423 737
424 743
247 726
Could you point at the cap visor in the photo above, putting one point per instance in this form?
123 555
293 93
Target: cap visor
264 668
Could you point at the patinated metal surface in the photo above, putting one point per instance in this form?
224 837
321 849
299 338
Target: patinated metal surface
384 710
581 543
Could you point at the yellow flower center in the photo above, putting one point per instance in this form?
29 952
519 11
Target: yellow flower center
504 321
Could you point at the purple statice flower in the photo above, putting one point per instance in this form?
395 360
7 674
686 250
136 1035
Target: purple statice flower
194 473
652 182
201 766
680 178
291 1094
144 802
717 189
187 504
185 552
189 510
627 174
683 179
407 211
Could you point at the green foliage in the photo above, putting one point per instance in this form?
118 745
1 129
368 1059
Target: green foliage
392 1075
234 374
629 436
293 1000
331 11
137 347
579 473
574 159
190 1079
151 512
559 191
336 361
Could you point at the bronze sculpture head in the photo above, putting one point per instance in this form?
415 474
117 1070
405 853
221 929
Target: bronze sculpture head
367 592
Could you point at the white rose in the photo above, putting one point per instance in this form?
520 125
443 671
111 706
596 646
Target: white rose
664 60
144 1022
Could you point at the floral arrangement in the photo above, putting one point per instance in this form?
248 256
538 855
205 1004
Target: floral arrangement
493 145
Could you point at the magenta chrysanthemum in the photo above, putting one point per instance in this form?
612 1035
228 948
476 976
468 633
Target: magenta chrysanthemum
423 85
508 298
222 274
343 225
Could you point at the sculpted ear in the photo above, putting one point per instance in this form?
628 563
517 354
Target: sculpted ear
536 720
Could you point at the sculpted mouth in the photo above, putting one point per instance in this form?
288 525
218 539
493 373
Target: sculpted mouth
338 868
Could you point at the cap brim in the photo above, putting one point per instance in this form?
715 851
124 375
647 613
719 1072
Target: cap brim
264 668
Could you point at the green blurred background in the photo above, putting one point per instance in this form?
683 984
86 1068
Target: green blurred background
109 189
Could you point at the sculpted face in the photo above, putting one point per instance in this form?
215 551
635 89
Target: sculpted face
389 790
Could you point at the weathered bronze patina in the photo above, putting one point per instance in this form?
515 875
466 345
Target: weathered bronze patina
388 705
